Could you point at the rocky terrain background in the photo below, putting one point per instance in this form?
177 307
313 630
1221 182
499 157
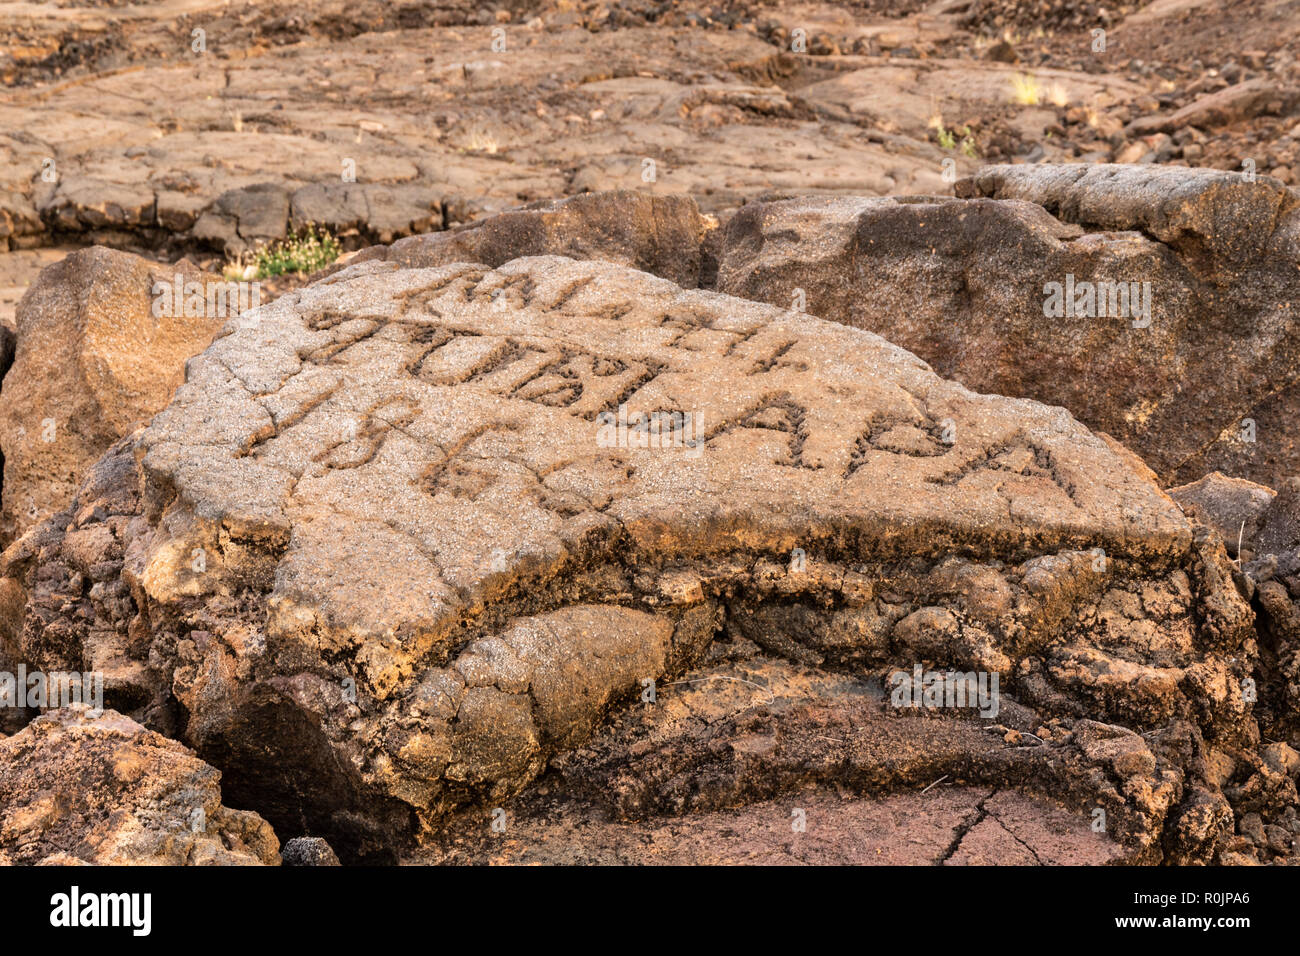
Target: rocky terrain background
360 580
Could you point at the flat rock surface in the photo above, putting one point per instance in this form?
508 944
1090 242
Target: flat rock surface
443 111
378 122
952 826
450 412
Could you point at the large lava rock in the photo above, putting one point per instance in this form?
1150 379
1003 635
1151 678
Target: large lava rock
77 788
391 549
964 283
91 361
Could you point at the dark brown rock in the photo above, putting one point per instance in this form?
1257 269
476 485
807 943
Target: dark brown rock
308 851
240 220
1222 108
7 339
1232 507
377 212
657 234
964 283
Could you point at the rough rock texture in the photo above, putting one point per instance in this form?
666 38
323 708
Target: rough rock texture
1233 104
1221 224
962 282
1275 574
91 361
1262 789
662 235
429 106
960 826
432 117
243 219
308 851
380 553
103 790
1232 507
747 728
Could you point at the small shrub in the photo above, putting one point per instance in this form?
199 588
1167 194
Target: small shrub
948 140
1025 90
311 249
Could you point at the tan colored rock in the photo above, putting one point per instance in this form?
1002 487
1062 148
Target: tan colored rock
91 361
425 121
386 541
77 789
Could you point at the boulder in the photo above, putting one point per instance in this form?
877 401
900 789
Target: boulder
657 234
241 220
376 211
1232 507
1200 287
1223 226
84 788
1232 104
412 533
91 360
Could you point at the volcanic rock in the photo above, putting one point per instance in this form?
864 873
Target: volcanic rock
308 851
92 359
1276 573
987 827
1233 507
377 211
1223 225
7 338
658 234
402 538
243 219
1206 259
101 789
1221 108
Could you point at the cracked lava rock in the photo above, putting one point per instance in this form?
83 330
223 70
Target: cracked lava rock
384 559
